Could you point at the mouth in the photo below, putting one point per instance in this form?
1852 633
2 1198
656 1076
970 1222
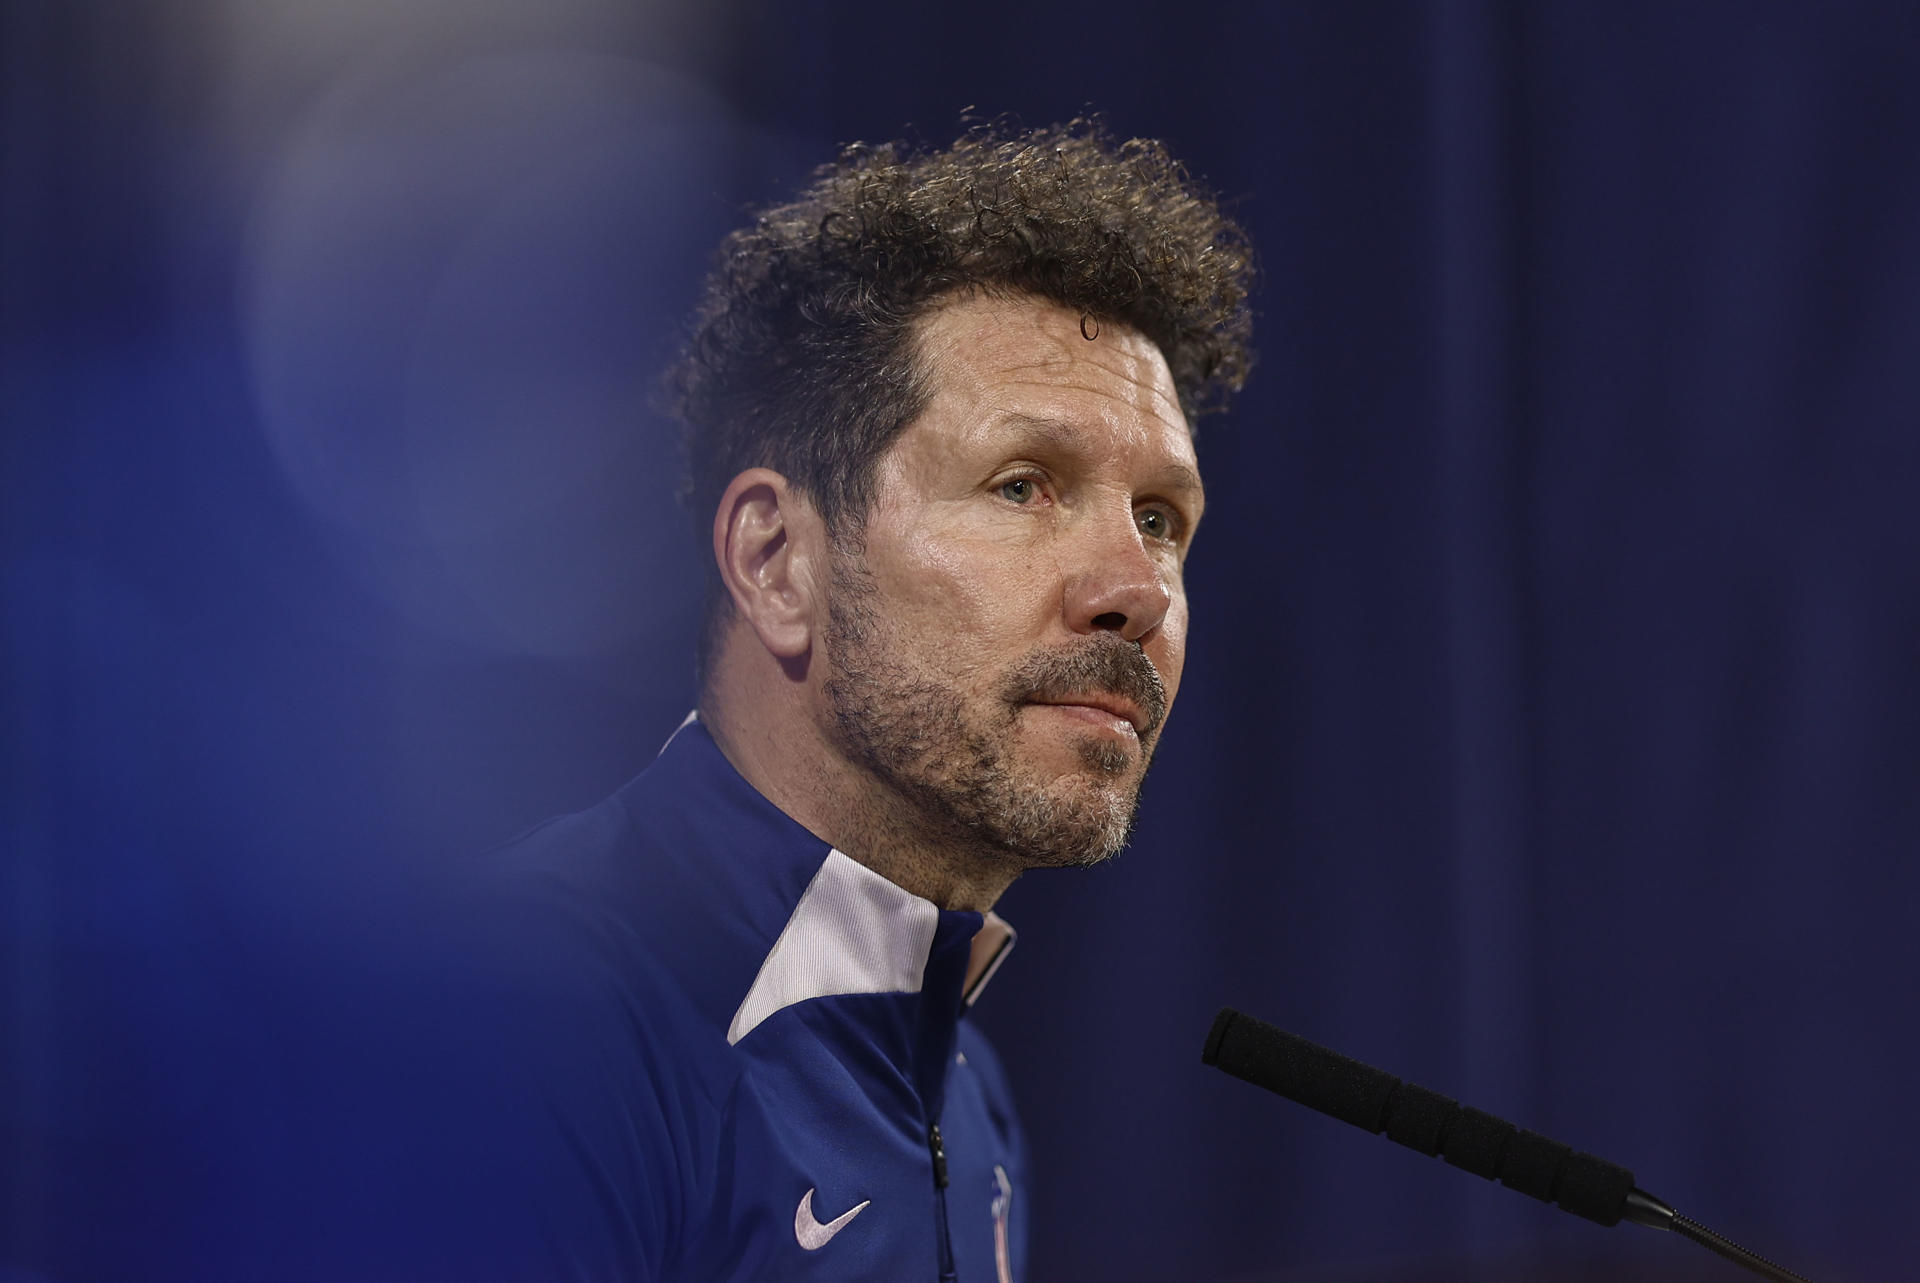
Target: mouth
1100 707
1102 682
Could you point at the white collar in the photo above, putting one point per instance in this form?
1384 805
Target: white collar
853 931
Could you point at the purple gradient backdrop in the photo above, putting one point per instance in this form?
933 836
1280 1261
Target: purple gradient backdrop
1552 729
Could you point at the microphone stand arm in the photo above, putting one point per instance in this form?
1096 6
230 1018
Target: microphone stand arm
1644 1209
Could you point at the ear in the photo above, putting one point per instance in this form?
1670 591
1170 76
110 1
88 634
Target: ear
768 543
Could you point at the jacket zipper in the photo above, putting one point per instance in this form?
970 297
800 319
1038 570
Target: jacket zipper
938 1149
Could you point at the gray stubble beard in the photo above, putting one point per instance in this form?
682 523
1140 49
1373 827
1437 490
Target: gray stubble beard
915 735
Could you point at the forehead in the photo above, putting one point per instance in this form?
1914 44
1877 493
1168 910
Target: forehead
999 364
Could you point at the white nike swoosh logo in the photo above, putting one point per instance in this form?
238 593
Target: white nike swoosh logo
812 1234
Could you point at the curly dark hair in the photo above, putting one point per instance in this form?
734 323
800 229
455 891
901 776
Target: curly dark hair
803 355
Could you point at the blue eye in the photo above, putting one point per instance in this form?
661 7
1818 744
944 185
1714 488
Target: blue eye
1019 490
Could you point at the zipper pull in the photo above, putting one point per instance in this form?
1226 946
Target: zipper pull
938 1148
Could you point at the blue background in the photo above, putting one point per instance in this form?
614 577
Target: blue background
1551 731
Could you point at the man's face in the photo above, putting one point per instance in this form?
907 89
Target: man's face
1007 636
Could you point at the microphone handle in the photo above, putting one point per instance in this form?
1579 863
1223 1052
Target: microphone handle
1420 1119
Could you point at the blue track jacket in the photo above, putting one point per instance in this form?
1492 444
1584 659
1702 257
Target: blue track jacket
751 1050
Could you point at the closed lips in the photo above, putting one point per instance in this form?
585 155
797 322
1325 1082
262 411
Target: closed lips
1113 705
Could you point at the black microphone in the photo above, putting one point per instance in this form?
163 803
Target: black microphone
1318 1078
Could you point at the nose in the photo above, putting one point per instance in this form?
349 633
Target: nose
1116 585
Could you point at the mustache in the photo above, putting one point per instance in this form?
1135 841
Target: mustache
1103 663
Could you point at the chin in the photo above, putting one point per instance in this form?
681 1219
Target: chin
1075 818
1101 753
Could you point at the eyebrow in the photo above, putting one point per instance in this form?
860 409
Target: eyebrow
1064 435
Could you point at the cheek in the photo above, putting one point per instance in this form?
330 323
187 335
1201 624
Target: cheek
968 588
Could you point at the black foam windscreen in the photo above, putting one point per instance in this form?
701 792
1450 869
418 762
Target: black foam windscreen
1373 1099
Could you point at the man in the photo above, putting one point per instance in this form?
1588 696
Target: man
939 414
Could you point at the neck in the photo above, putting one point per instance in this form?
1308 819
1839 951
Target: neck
793 765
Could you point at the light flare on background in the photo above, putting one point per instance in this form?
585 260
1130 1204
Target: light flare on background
461 277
